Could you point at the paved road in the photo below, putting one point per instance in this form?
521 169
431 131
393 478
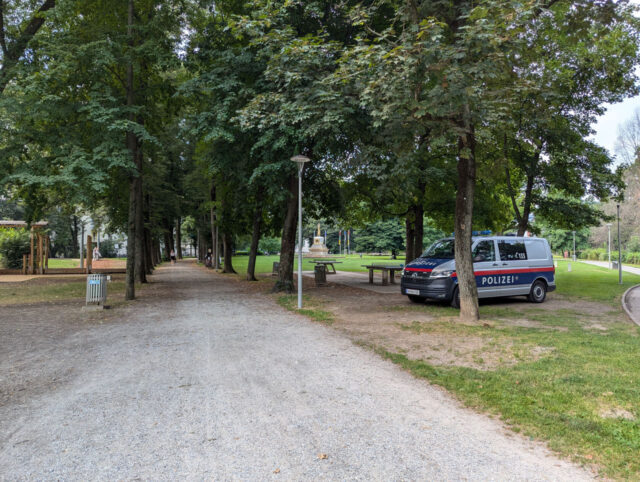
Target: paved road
605 264
210 383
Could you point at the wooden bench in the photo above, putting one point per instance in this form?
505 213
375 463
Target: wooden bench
326 263
386 270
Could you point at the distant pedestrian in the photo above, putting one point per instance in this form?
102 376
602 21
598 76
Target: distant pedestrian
172 255
96 254
208 259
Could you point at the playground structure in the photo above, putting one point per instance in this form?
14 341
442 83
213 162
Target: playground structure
37 261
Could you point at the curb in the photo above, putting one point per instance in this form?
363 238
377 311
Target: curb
625 306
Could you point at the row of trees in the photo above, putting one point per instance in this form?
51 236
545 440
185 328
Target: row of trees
476 113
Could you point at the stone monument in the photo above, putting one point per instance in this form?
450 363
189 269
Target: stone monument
318 249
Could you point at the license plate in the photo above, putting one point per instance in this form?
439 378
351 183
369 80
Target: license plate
412 292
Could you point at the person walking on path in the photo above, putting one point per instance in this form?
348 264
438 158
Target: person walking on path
172 256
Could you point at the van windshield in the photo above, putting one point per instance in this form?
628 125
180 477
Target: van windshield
443 249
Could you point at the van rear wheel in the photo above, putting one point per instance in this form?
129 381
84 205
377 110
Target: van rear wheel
538 292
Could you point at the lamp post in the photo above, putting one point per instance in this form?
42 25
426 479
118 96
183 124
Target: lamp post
609 243
619 250
300 160
574 246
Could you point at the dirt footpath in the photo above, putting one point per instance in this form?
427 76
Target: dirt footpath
204 379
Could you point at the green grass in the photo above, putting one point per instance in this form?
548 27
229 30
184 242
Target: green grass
589 282
312 308
264 264
64 263
35 291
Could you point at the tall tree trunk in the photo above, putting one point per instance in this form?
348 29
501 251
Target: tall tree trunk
523 223
469 310
409 237
148 252
148 240
215 254
198 244
167 244
418 232
227 242
178 238
74 237
255 237
414 232
288 243
132 145
140 268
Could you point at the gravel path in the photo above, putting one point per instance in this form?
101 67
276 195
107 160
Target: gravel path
210 383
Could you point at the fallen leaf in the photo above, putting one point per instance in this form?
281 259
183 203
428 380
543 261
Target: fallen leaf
588 456
323 456
277 471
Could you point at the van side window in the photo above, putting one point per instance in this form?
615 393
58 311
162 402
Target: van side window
536 249
512 250
484 251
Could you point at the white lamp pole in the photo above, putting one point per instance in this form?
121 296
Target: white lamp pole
609 243
574 246
619 248
300 160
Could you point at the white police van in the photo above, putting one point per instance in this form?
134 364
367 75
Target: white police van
503 265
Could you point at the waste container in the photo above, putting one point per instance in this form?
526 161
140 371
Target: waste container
276 266
320 272
96 289
614 265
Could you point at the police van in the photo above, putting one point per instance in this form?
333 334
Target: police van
503 265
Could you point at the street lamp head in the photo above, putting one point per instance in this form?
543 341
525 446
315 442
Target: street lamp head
609 225
300 160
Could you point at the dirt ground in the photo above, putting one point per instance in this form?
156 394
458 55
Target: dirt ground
432 331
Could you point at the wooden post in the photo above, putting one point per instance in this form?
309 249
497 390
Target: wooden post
40 259
89 254
47 249
31 255
25 263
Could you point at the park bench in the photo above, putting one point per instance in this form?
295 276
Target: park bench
388 272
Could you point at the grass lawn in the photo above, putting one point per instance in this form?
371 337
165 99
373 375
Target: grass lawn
64 263
52 289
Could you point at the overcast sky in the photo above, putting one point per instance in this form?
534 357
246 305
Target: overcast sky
607 126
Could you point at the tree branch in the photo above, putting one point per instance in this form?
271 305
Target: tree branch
17 48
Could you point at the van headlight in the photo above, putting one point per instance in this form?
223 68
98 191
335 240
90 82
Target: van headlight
442 274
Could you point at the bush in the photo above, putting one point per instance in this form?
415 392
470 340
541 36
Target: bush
14 243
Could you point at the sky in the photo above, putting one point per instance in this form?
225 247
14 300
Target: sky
607 125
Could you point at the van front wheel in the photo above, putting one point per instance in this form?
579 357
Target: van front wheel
455 299
538 292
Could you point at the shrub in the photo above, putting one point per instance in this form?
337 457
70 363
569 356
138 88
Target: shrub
14 243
